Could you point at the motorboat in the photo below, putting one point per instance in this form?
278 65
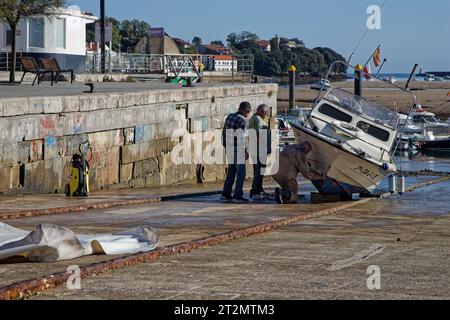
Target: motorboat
284 130
430 77
298 115
391 80
353 142
321 85
434 144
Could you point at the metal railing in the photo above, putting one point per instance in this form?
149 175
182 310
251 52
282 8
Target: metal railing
172 65
5 61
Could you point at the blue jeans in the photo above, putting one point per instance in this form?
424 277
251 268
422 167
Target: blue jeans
236 172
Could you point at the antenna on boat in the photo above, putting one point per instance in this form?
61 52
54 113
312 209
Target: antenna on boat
362 38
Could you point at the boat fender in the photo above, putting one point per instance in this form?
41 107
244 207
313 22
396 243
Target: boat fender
388 167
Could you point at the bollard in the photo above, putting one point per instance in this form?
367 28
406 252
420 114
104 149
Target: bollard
358 80
292 70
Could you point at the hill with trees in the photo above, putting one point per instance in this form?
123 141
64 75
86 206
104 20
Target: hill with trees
314 62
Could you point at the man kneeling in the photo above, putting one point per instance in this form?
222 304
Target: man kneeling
292 163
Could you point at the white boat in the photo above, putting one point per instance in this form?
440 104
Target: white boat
298 115
430 77
353 142
422 122
391 80
321 85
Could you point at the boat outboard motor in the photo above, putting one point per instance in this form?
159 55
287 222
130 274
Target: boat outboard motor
78 185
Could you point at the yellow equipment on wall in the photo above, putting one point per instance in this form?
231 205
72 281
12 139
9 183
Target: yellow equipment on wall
78 185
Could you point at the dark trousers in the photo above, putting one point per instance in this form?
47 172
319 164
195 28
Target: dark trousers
257 186
236 172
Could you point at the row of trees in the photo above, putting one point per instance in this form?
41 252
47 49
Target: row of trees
126 33
313 61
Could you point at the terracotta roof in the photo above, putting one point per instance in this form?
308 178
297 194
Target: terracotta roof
263 43
216 47
224 57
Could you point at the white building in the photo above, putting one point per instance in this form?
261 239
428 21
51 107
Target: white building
221 63
62 37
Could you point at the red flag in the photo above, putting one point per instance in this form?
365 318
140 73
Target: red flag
367 72
377 57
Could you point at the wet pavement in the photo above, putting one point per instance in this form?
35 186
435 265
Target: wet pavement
326 258
412 233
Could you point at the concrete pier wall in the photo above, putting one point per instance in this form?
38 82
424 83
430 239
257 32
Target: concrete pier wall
130 133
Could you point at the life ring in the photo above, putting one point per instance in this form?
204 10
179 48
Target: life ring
347 129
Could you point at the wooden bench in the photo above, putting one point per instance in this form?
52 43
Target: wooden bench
52 64
29 65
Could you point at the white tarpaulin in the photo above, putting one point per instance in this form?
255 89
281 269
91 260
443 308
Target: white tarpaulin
49 243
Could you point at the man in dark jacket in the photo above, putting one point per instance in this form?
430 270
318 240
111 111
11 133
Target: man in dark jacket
234 139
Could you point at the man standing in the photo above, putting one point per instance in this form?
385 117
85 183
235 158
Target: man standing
262 141
234 138
292 162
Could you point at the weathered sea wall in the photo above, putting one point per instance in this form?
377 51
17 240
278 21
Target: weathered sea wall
130 133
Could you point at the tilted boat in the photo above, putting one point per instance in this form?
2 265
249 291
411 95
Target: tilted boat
353 141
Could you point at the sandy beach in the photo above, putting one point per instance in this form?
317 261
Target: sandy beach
429 95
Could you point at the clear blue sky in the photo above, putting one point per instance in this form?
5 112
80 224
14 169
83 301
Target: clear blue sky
414 31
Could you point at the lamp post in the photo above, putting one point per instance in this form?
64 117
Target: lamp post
102 35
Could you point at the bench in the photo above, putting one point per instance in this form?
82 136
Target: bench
29 65
52 64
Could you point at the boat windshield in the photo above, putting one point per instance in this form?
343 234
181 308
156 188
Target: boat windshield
363 107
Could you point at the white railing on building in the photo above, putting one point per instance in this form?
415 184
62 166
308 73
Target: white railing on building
5 61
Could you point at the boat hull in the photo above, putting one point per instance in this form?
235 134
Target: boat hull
435 145
347 173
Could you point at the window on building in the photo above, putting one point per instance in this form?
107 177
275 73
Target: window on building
8 37
334 113
36 30
60 33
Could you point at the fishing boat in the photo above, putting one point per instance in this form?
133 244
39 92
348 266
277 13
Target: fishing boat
353 142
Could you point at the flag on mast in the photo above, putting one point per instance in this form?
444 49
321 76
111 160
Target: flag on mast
367 72
377 57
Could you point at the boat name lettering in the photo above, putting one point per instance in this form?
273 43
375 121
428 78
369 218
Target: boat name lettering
367 172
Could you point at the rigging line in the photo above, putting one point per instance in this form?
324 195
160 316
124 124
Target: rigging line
362 38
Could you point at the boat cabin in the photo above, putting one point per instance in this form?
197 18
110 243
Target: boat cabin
360 126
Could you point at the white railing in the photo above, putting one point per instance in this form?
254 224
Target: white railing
5 61
172 65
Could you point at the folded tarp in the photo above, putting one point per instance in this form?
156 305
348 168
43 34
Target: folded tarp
49 243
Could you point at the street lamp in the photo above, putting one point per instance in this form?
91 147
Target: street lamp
102 35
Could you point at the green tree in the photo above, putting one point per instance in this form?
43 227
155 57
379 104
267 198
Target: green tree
232 39
275 43
131 31
12 11
247 36
218 42
197 41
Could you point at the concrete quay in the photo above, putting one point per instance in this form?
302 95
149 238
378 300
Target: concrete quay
130 127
